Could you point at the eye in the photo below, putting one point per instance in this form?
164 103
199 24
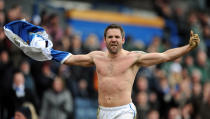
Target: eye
110 36
117 36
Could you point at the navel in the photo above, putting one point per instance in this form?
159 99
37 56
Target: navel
108 99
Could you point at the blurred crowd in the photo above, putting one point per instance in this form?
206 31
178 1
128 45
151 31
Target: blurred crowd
48 90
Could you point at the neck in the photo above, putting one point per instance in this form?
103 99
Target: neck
111 55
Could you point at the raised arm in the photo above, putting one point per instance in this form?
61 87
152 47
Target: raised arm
80 60
148 59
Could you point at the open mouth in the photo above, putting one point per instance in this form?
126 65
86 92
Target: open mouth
113 45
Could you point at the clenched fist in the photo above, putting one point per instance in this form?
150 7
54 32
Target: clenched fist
194 40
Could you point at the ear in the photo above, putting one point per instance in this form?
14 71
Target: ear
123 40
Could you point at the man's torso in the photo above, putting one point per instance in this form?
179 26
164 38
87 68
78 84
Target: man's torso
116 77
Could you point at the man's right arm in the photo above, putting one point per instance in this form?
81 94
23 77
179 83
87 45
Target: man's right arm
80 60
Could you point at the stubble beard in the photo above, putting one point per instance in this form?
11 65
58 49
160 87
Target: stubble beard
113 49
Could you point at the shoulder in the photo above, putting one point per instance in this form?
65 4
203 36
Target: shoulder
66 93
48 93
96 53
138 52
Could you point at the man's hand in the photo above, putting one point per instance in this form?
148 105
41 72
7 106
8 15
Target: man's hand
194 40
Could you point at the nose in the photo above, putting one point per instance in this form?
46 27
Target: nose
113 39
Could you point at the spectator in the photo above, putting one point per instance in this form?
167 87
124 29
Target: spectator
206 92
2 18
44 18
64 72
92 43
77 46
196 76
175 73
203 65
204 112
15 13
66 43
22 113
4 44
153 101
32 109
195 25
45 79
206 35
156 45
29 80
82 89
184 93
54 29
18 94
142 84
153 114
2 4
187 111
66 38
196 99
189 64
6 67
142 105
57 102
174 113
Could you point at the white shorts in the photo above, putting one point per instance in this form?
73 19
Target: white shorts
121 112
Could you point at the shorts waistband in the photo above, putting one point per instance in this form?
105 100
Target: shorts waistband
116 108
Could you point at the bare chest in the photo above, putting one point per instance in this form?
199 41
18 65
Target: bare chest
106 67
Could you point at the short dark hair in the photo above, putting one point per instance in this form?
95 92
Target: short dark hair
114 26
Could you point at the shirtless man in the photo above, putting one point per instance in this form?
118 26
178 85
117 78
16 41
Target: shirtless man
116 69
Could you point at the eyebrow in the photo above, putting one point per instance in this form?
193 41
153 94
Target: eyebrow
116 36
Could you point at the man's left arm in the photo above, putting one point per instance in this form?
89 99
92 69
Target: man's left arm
148 59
